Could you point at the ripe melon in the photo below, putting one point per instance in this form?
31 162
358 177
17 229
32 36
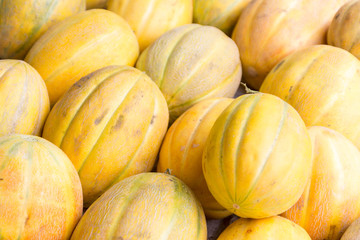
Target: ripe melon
257 158
182 149
331 200
40 190
24 99
192 63
149 206
152 18
80 45
111 124
23 22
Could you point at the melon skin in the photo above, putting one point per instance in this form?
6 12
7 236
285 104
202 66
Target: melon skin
24 99
344 29
352 232
222 14
90 4
144 206
331 200
269 30
40 190
111 124
322 83
244 162
182 149
79 45
152 18
192 63
272 228
21 24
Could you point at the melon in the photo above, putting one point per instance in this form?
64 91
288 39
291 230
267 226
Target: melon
23 22
257 158
152 18
111 124
149 206
24 99
192 63
272 228
40 190
323 84
79 45
182 149
331 200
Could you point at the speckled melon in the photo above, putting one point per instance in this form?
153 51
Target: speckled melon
111 124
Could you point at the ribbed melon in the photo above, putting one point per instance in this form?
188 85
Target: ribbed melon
331 200
151 18
323 84
192 63
80 45
149 206
40 190
273 228
257 158
23 22
269 30
222 14
24 99
182 149
344 30
110 124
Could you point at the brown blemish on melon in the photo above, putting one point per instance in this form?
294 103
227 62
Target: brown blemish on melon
98 120
118 123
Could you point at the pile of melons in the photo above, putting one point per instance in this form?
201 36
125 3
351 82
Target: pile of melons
149 119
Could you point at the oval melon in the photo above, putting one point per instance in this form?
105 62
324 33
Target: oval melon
149 206
40 190
192 63
331 200
182 149
152 18
24 99
23 22
111 124
80 45
245 164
